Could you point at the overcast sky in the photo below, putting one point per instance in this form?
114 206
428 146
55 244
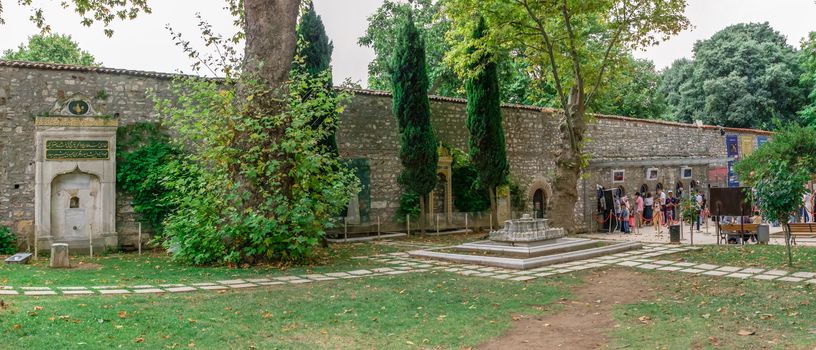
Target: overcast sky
145 44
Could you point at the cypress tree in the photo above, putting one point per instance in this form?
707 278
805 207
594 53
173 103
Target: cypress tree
484 122
412 110
315 51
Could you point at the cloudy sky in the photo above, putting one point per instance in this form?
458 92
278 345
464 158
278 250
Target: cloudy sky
145 44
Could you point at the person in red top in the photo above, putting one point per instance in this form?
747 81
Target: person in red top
638 208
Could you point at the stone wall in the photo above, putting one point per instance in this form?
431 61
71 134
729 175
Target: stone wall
368 131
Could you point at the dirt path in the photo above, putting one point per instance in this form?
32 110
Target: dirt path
584 322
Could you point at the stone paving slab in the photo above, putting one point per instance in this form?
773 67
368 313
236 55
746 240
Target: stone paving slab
77 292
706 266
752 270
729 268
628 263
684 264
148 291
648 266
40 292
72 288
692 270
8 292
715 273
214 287
35 288
256 280
246 285
804 274
186 289
114 291
765 277
670 268
739 275
790 279
268 283
776 272
242 281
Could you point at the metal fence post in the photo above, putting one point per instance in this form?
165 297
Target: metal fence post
408 220
378 226
437 223
345 228
466 223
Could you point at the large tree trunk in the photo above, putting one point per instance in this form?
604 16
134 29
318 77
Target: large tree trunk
568 163
494 212
271 39
786 227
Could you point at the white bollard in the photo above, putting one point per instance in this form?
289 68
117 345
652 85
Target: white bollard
466 223
408 220
90 243
345 228
378 226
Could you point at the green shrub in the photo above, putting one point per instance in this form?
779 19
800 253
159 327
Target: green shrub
468 193
144 159
409 206
256 184
8 241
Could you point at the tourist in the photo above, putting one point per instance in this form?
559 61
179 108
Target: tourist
648 209
668 208
661 199
656 215
625 217
699 199
639 207
617 211
808 203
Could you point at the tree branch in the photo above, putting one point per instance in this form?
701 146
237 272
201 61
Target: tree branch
605 61
550 53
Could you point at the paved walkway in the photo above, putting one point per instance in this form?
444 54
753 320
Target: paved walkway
401 263
650 235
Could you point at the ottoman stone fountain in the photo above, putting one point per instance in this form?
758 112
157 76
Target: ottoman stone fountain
526 243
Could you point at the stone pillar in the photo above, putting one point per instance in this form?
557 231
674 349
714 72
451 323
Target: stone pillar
59 256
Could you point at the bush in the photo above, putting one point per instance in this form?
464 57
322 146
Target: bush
468 193
144 164
256 184
409 206
8 241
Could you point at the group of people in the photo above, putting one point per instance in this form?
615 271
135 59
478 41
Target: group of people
662 209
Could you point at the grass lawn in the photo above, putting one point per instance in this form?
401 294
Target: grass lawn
434 309
158 268
754 255
695 312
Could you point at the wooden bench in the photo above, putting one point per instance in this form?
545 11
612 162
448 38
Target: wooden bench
807 230
737 230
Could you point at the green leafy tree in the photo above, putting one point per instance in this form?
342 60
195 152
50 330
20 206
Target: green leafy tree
315 52
632 92
779 171
515 76
52 48
744 76
104 11
807 58
671 85
418 147
484 122
571 45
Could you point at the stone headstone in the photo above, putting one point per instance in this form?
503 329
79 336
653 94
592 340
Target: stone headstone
59 255
19 258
